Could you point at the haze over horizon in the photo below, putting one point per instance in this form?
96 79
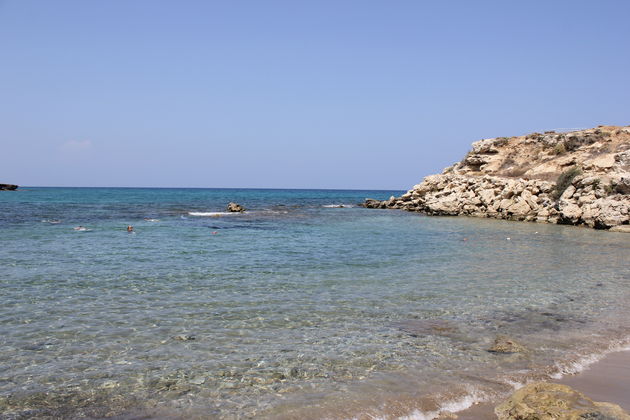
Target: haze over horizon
280 94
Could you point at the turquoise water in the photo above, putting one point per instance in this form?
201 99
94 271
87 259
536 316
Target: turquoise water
297 308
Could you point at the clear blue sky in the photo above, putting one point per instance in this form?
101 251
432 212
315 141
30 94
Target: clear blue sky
294 94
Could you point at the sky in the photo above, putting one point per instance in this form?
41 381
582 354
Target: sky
294 94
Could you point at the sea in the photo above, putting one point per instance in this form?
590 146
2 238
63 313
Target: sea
305 306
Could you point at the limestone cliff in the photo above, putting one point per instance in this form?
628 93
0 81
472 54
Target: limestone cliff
580 178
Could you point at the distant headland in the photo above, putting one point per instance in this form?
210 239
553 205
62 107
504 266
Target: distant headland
577 178
8 187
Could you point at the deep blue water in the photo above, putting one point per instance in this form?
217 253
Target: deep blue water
297 308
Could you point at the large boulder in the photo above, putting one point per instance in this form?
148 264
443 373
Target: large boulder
476 161
488 146
445 206
486 196
571 212
371 203
519 208
8 187
613 211
547 401
235 208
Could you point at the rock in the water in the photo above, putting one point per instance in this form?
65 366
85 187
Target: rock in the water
235 208
503 344
424 327
547 401
621 228
8 187
371 203
184 337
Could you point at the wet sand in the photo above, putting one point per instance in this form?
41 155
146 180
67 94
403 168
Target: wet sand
607 380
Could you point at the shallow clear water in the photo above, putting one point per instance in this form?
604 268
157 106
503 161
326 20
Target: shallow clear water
294 309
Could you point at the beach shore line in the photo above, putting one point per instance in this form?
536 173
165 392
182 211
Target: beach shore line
607 380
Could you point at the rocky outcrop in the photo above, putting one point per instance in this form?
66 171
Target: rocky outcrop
235 208
547 401
577 178
8 187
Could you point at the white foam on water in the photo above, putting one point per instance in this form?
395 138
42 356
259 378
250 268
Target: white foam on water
582 363
338 206
211 213
515 384
474 397
450 406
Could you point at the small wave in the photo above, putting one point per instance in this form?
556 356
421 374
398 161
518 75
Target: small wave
51 221
560 369
338 206
211 213
578 365
450 406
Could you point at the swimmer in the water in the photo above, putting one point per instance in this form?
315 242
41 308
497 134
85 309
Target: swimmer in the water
129 228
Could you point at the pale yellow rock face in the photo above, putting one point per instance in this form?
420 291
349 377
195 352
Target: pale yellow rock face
519 208
547 401
623 228
571 211
515 178
604 162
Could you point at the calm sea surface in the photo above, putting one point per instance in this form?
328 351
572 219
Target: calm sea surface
297 308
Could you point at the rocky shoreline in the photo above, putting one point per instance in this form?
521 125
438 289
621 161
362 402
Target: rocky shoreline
576 396
576 178
8 187
544 400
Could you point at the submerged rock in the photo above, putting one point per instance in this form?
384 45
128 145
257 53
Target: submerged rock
184 337
547 401
235 208
424 327
503 344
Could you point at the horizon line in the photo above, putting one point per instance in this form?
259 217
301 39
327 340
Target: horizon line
217 188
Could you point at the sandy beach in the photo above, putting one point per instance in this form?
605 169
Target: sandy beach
606 380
